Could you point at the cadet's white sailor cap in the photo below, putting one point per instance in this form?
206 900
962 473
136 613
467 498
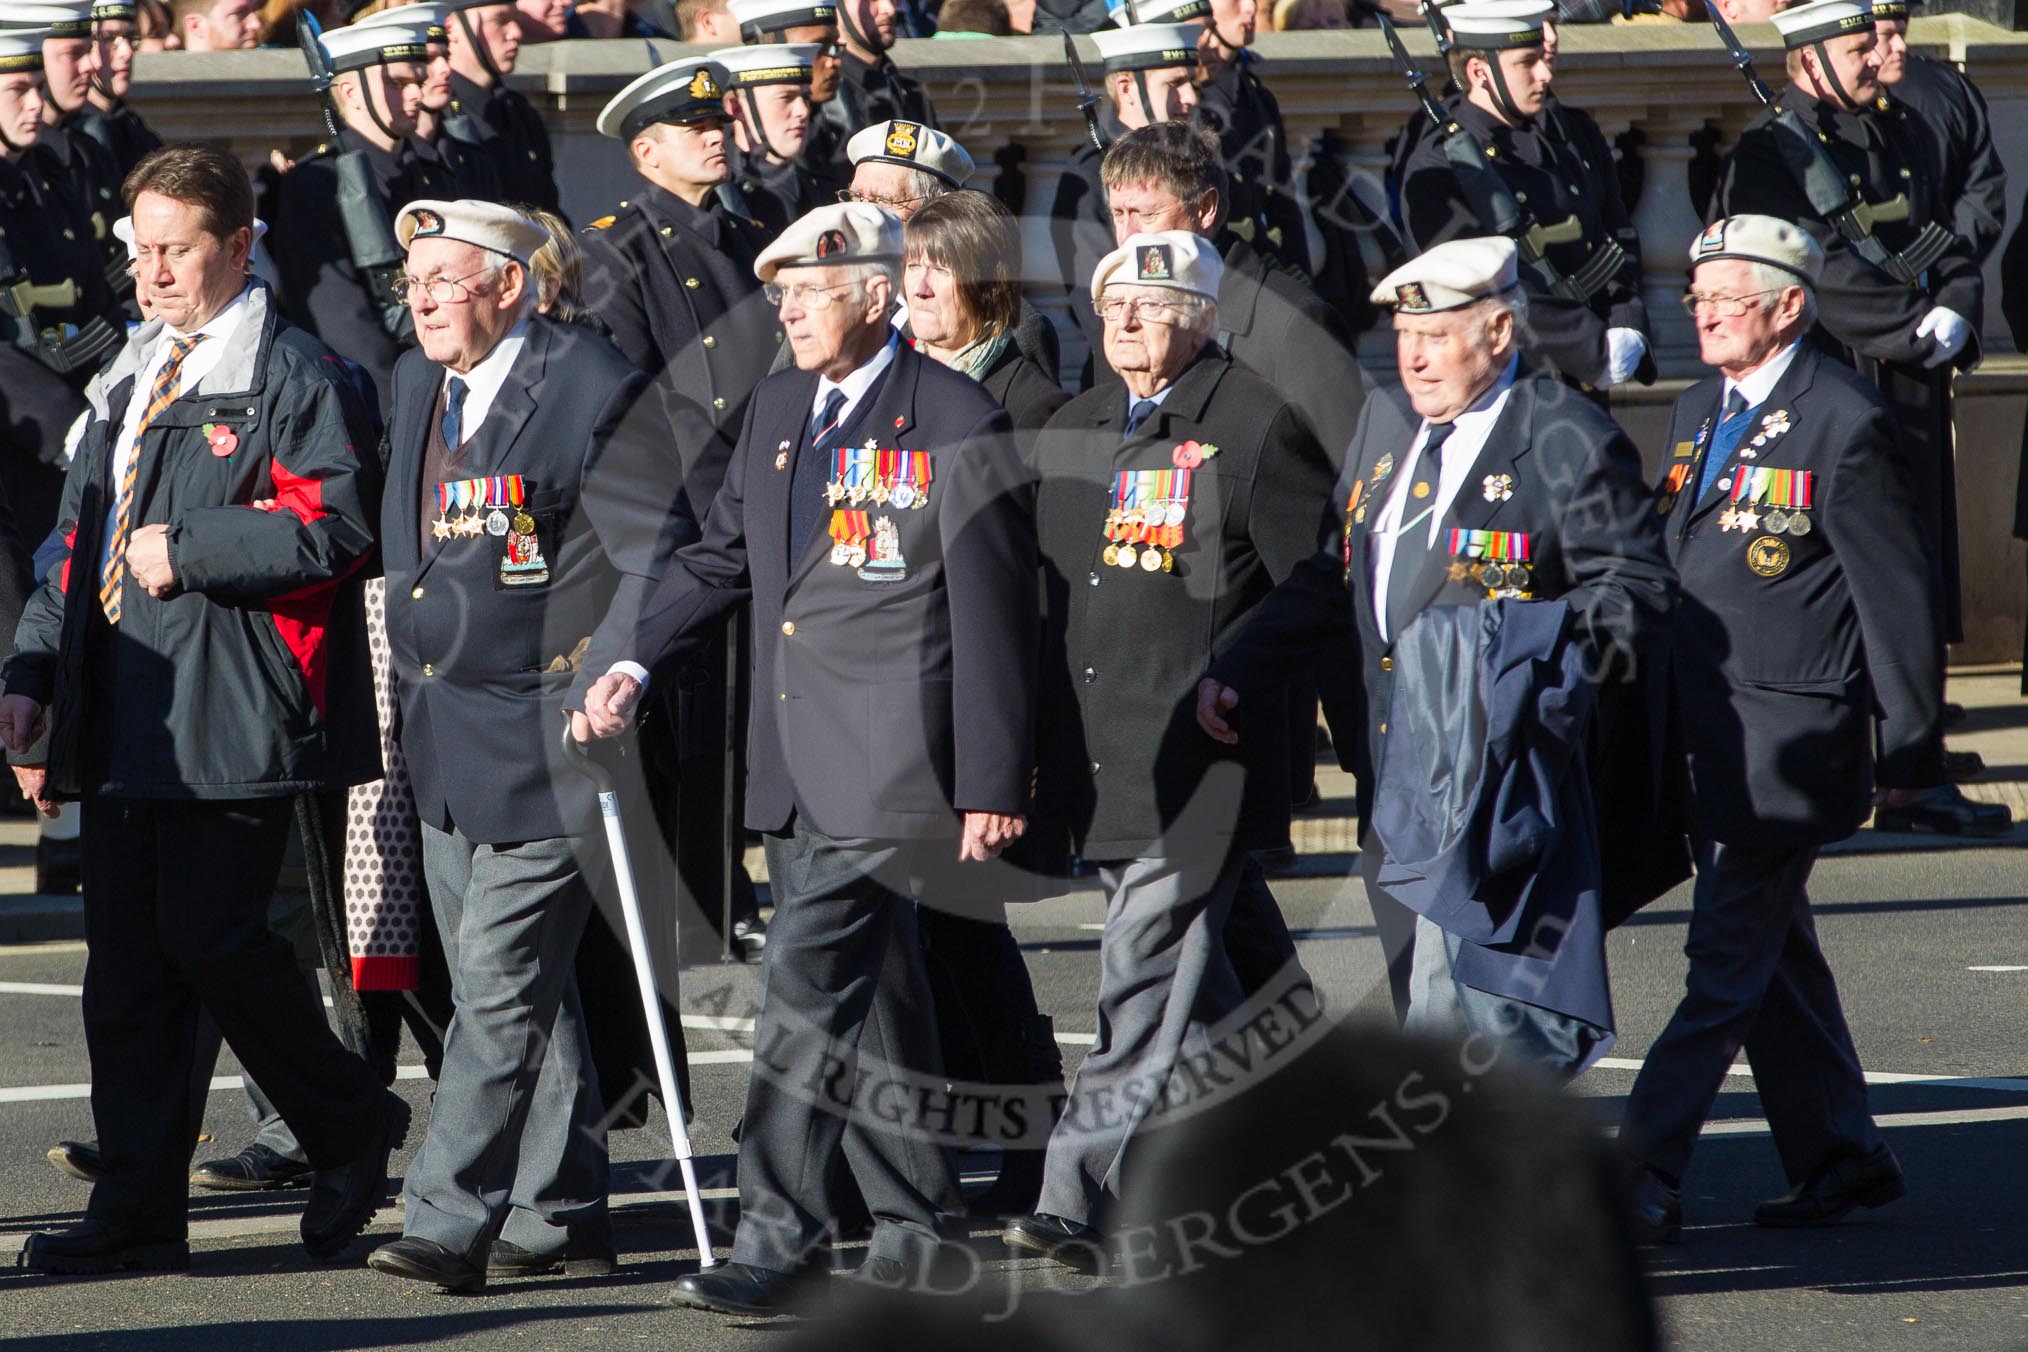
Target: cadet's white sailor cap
1492 25
21 49
486 224
432 16
123 231
849 232
1147 46
689 90
913 146
115 11
1760 239
1822 19
1124 15
382 44
62 18
1892 9
1450 276
1174 259
766 63
757 18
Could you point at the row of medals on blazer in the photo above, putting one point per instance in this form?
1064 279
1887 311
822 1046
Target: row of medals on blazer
1507 577
1789 495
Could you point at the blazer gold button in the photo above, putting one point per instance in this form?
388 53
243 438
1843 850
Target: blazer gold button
710 341
415 595
783 695
429 670
719 403
1383 729
1387 664
788 626
692 283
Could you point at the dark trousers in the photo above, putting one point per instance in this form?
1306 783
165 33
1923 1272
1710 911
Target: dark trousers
1394 922
1257 938
1757 980
176 918
830 1013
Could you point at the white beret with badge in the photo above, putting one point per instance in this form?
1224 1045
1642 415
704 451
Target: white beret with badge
757 18
847 232
487 225
1821 20
1761 239
1493 25
689 90
1175 260
1148 46
62 18
1450 276
766 63
913 146
381 44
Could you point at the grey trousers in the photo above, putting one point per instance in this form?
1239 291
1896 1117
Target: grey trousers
1758 981
841 969
1163 972
517 1145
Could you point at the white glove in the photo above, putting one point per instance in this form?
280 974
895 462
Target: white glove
1948 329
1624 350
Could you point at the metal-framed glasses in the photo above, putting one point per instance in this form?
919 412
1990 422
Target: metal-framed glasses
1725 307
1114 309
874 199
442 290
805 295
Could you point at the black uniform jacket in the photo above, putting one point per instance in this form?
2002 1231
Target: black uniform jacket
120 130
1553 179
88 171
776 195
487 659
1081 225
1789 651
880 708
242 683
1859 306
875 91
505 127
1030 395
1240 110
676 286
1124 647
1554 468
49 236
447 169
1953 112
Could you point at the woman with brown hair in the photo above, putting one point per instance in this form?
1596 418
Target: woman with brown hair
962 285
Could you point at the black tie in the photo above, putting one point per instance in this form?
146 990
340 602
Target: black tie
454 416
1411 541
1142 410
826 419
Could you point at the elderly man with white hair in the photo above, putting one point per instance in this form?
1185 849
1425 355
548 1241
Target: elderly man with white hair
528 511
874 517
1166 512
1481 480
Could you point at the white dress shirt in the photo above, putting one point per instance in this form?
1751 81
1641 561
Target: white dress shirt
857 383
1468 437
203 359
484 381
1758 383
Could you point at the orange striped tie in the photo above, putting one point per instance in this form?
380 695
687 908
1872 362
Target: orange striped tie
168 383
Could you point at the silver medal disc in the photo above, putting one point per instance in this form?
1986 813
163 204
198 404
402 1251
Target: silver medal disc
496 522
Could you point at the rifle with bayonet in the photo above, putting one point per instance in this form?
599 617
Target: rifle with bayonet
362 214
1831 194
63 348
1087 102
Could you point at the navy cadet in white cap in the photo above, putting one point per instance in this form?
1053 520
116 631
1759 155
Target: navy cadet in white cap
444 166
804 23
1166 512
529 508
484 111
874 519
769 107
1586 317
1804 642
1150 73
320 240
1902 296
1479 479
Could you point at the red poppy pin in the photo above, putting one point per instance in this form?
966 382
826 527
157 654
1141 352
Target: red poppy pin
221 438
1191 454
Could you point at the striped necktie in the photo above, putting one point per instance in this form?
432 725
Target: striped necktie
168 383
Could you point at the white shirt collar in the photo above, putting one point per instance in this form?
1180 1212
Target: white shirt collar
1759 383
484 381
857 383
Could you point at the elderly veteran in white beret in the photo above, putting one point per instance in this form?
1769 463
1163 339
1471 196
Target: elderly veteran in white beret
1478 480
1802 670
904 165
874 519
527 514
1165 512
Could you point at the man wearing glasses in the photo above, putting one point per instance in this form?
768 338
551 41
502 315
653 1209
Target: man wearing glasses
1805 639
875 519
528 511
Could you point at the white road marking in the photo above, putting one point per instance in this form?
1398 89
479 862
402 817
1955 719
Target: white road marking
38 988
2000 967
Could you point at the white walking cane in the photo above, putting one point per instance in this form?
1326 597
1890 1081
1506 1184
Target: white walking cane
582 755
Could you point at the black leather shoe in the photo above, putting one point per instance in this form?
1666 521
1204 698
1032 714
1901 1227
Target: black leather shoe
1061 1241
1836 1189
425 1260
80 1159
1960 766
508 1259
254 1169
343 1199
96 1246
1658 1210
1947 812
1953 714
749 938
741 1288
59 867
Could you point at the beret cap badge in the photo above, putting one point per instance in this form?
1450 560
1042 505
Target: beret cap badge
1155 264
902 139
427 223
831 244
